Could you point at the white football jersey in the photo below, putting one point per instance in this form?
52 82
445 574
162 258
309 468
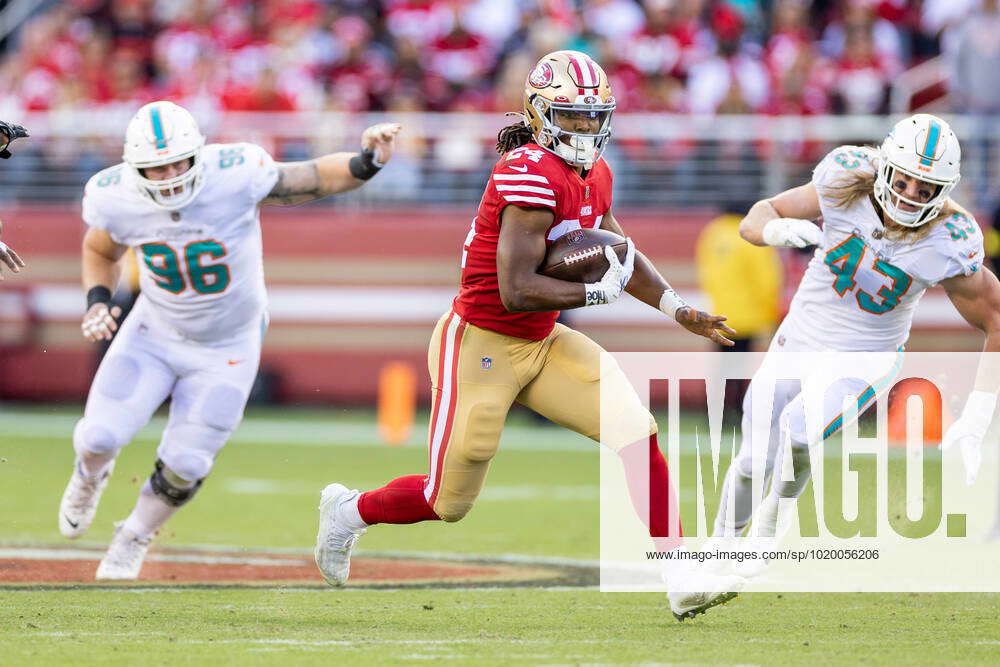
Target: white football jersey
861 289
201 268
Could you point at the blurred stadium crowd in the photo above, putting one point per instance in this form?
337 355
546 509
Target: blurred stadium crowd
702 56
728 72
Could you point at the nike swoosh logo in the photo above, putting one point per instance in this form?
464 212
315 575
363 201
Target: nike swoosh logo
74 524
233 362
523 168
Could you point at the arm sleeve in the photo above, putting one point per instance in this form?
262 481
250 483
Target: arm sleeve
263 172
956 249
839 162
94 217
523 179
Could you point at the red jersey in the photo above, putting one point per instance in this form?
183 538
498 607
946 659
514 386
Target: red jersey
532 177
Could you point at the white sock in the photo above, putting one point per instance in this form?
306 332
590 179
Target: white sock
149 514
92 466
773 517
353 514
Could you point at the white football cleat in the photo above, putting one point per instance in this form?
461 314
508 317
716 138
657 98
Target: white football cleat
336 538
125 555
79 501
712 590
721 566
754 567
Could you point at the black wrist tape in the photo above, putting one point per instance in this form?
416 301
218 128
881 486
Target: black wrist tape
98 294
363 165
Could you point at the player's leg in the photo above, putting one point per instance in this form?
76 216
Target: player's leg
131 383
207 406
812 416
758 448
474 383
568 390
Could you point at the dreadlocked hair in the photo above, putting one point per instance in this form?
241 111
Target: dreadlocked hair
514 136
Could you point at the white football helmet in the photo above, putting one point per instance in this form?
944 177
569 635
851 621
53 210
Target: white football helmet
922 146
161 133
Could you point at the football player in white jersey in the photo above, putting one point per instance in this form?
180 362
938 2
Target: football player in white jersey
889 232
191 213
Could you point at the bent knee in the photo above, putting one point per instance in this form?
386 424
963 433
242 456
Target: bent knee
96 438
190 466
223 408
452 510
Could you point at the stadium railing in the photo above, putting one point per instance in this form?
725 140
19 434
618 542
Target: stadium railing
660 160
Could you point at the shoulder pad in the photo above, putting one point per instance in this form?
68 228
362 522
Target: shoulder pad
841 161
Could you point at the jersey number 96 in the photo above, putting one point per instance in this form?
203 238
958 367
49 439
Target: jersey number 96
175 270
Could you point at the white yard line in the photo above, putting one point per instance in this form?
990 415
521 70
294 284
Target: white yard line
229 554
497 492
16 424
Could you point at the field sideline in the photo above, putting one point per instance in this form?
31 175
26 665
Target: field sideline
540 505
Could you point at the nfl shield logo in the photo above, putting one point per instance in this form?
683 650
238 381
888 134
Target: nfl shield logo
486 363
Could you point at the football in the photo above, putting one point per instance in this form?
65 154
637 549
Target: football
578 256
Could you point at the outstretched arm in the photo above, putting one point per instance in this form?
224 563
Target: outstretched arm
977 298
784 220
648 286
299 182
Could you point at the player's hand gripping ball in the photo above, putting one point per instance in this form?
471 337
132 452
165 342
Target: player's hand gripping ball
578 256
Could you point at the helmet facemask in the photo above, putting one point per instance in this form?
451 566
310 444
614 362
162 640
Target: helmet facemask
577 148
890 200
161 192
563 89
160 134
922 147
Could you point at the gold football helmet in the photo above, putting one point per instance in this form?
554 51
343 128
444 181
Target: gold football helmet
565 93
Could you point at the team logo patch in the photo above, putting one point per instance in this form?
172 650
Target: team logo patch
541 76
590 99
486 363
586 210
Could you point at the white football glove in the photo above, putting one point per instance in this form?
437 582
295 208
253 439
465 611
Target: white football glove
613 283
969 430
100 323
791 233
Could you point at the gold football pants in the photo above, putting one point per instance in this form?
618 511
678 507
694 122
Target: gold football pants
476 374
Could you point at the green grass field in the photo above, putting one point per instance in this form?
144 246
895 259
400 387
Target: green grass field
541 500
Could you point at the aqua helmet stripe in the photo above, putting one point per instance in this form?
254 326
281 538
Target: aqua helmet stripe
154 116
930 145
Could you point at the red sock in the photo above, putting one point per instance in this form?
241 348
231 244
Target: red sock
655 504
399 501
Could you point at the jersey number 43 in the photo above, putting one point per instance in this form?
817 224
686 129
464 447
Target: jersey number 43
843 261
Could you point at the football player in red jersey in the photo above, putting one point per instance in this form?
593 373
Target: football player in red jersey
500 342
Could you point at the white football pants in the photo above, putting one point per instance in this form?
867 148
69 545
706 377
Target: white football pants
795 401
208 384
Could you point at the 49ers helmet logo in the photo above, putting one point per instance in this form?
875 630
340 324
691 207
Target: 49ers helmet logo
541 76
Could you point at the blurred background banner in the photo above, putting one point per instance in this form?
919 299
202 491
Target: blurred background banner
720 103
